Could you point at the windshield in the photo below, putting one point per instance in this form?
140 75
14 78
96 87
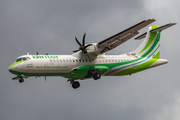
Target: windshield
23 58
19 59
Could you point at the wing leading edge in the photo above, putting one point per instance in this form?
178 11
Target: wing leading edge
119 38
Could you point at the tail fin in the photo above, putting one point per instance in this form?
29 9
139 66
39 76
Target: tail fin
150 47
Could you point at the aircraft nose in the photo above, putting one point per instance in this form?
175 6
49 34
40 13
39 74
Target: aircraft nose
13 67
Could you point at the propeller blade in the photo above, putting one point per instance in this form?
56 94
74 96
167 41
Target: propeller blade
81 56
87 46
76 50
83 41
78 41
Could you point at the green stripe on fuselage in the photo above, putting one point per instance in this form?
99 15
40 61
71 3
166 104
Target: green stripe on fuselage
15 63
140 67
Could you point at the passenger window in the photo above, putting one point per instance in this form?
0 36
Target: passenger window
70 60
66 60
102 60
57 60
60 60
76 60
83 60
115 60
119 60
86 60
54 60
73 60
109 60
106 60
99 60
112 60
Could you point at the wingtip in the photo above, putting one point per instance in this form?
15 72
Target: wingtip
150 19
173 23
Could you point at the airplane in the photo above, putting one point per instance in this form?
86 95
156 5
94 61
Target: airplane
90 61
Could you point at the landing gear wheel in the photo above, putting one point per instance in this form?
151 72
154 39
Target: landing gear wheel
96 76
75 84
21 80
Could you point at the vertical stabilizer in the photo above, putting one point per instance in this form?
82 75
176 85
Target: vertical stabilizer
151 44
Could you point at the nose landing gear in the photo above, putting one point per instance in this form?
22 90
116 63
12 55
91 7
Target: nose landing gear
21 80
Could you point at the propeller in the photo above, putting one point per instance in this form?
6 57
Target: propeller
82 46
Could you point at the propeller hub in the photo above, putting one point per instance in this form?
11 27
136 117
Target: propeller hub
81 48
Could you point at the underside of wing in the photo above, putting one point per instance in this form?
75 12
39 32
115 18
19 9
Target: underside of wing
123 36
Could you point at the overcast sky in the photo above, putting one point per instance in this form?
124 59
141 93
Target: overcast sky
49 26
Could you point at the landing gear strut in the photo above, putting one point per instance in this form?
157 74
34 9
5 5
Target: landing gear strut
75 84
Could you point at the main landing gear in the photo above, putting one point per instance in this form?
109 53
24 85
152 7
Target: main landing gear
75 84
96 76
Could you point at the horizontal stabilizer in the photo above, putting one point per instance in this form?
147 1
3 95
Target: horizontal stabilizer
161 28
141 36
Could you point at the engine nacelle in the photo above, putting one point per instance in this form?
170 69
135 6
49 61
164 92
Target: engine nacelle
94 48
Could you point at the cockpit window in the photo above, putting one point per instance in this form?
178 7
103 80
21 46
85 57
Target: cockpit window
24 58
19 59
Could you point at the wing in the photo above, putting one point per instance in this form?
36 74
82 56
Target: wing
119 38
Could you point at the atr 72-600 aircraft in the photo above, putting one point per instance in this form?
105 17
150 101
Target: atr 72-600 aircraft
89 61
